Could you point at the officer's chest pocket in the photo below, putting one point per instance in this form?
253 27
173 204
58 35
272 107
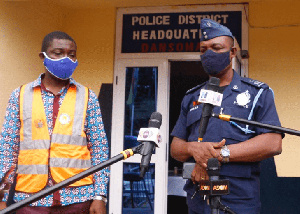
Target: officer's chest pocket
235 132
237 111
194 115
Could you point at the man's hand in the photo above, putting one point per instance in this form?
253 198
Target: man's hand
205 150
2 205
98 207
3 191
199 174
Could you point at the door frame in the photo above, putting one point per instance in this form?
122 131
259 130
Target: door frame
160 158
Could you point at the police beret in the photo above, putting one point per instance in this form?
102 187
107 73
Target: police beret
211 29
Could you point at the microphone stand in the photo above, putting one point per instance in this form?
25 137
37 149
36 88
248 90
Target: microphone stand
224 208
258 124
216 190
216 202
41 194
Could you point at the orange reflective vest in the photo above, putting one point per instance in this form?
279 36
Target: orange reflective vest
64 153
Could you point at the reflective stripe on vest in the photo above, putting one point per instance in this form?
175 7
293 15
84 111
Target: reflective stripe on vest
68 150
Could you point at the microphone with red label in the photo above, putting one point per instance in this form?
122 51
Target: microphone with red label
149 137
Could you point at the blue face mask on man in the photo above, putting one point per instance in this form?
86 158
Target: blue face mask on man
62 68
213 63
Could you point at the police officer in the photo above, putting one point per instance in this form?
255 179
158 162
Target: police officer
238 147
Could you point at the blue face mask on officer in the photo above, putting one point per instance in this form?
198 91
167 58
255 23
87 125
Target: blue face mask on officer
62 68
213 63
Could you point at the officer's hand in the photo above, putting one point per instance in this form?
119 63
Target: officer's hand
205 150
199 174
217 147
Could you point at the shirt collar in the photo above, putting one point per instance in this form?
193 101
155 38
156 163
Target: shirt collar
235 84
38 81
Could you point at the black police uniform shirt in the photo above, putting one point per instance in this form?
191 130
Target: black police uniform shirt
243 98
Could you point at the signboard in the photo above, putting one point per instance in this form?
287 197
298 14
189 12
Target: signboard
172 32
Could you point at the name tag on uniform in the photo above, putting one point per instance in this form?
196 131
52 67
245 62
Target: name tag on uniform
211 97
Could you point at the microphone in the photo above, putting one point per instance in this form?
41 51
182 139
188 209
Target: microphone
213 171
150 138
210 98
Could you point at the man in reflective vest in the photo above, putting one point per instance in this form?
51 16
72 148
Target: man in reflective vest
53 130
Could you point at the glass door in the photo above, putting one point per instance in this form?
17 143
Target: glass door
140 88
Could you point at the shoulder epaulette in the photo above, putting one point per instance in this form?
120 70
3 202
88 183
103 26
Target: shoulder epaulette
195 88
255 83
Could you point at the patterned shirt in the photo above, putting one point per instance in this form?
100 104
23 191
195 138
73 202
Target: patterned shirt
96 139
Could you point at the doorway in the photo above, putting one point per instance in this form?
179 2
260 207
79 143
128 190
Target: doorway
184 75
139 90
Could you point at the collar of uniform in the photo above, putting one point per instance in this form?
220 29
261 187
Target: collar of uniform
235 85
38 81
